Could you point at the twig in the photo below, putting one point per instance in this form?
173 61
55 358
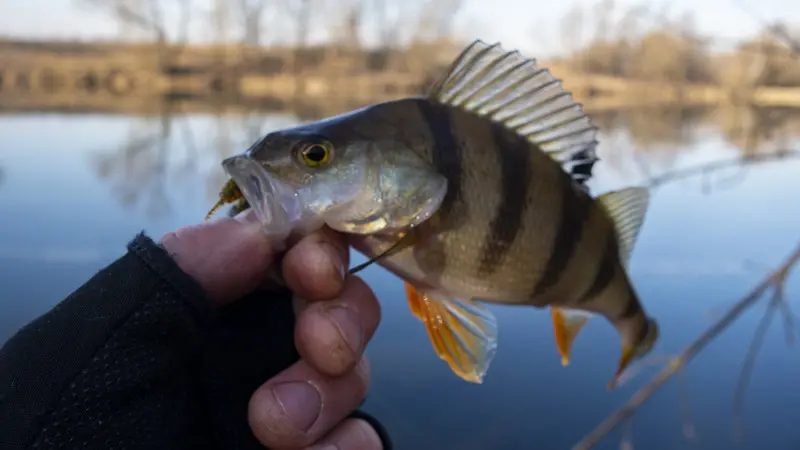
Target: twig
719 165
777 30
775 279
749 364
683 393
788 321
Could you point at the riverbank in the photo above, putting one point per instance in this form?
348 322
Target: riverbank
115 78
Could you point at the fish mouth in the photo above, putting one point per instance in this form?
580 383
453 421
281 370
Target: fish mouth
275 202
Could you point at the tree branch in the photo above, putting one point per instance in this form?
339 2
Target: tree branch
774 280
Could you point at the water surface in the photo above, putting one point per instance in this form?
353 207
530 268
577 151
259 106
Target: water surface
75 188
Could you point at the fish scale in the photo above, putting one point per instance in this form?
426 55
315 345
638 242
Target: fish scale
474 193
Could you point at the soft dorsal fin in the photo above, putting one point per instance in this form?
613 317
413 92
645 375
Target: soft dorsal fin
507 88
626 208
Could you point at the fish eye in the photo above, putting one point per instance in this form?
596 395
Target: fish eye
315 154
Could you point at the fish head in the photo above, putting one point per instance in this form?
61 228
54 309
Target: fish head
329 173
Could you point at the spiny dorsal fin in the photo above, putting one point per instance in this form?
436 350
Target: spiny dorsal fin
507 88
626 209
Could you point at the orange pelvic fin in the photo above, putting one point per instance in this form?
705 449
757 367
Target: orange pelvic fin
462 332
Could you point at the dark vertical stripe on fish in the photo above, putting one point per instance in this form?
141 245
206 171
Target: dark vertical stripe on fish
515 171
632 306
575 210
605 273
643 332
447 156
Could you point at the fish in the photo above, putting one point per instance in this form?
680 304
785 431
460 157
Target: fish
472 194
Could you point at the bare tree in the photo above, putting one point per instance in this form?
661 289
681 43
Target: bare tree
348 18
300 13
571 28
401 23
603 12
435 19
250 14
387 21
148 17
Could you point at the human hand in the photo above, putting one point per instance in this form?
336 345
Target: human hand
308 403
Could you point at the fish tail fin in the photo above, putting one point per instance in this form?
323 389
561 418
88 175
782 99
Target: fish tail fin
637 355
638 332
567 324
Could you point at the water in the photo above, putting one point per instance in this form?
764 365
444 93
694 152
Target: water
75 188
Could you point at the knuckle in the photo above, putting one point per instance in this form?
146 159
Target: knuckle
324 343
362 376
365 436
169 239
367 305
352 433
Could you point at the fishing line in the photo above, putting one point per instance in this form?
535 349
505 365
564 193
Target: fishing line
371 261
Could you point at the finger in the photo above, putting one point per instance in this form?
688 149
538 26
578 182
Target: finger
299 406
332 335
227 257
315 267
353 434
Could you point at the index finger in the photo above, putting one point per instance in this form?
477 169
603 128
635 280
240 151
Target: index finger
315 267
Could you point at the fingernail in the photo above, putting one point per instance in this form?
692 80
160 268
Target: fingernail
300 402
348 325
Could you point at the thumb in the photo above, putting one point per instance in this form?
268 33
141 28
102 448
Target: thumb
229 257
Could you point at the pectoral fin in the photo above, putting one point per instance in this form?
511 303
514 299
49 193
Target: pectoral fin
462 332
567 323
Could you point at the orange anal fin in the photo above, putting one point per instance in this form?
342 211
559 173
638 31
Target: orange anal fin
462 333
567 324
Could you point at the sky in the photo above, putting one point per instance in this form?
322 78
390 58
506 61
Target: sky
524 24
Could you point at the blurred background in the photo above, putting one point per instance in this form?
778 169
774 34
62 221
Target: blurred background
115 115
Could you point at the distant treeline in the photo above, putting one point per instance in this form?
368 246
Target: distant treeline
665 56
674 51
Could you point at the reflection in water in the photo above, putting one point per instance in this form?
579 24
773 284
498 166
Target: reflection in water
753 129
141 169
656 127
138 169
727 180
168 152
680 266
659 134
774 283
